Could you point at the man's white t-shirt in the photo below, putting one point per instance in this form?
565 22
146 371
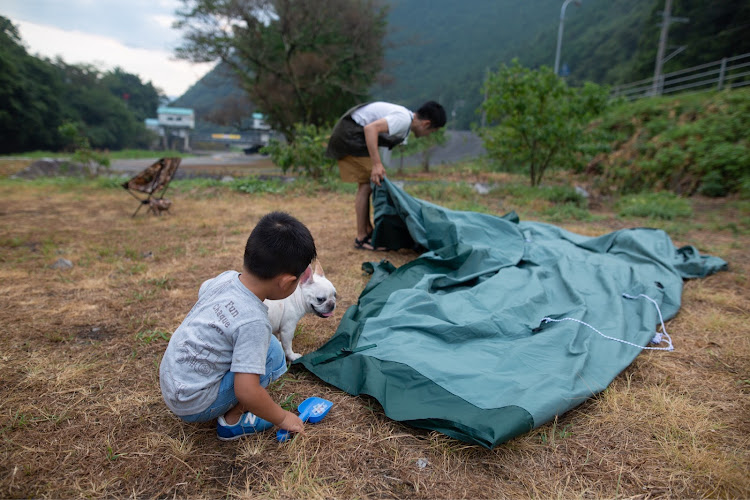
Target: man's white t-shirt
398 117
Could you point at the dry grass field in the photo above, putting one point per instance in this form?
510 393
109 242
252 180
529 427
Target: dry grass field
81 413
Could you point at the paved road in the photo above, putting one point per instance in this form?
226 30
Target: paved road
461 145
217 164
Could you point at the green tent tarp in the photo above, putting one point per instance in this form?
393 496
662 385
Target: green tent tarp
499 325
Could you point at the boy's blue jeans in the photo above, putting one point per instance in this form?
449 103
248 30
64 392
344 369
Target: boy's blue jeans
226 399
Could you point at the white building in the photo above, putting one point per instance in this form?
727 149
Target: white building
173 122
176 117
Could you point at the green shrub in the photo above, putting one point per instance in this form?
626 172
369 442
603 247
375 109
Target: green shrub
306 155
538 119
662 205
685 144
563 195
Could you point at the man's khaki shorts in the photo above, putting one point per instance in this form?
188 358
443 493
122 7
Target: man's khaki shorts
355 169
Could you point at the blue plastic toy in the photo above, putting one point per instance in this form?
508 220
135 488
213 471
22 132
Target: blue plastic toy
311 410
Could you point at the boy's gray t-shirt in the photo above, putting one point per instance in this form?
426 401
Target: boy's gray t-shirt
226 330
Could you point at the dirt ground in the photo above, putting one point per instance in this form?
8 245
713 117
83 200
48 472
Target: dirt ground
81 414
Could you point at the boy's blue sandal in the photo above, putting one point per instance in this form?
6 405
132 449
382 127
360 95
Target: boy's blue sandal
248 424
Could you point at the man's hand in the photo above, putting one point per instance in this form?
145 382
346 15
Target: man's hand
371 132
378 173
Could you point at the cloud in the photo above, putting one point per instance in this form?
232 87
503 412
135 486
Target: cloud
158 66
134 23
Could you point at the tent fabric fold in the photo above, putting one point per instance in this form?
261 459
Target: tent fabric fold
455 341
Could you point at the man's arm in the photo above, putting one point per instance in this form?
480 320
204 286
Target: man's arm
371 139
254 398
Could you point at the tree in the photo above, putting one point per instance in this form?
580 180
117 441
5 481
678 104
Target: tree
38 96
538 118
142 99
300 61
79 144
306 155
232 111
102 116
30 110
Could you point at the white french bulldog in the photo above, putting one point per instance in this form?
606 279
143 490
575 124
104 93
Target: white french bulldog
314 295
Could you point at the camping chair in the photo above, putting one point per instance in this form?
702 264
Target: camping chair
154 178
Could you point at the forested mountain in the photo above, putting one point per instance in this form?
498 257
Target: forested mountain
442 49
209 95
38 96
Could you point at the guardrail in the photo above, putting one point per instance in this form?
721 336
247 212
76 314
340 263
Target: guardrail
246 137
727 73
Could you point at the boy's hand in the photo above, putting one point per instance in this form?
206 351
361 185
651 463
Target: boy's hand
292 423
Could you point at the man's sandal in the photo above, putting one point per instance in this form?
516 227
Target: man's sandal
360 244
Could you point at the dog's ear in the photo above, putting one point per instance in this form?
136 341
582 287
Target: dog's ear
306 276
319 269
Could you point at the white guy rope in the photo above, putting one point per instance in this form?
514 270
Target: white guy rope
658 337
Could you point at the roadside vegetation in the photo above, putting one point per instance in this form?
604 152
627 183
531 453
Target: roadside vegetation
688 144
123 154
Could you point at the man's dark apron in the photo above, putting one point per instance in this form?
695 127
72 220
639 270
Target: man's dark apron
348 138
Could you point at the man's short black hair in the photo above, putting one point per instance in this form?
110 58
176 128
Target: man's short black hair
279 244
434 112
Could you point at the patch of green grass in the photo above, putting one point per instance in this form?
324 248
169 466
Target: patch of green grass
155 335
441 192
662 205
470 206
257 185
141 295
107 182
112 456
187 185
139 154
132 268
19 249
57 336
106 253
131 253
520 193
566 212
566 195
37 154
14 242
288 402
328 184
70 183
163 282
21 420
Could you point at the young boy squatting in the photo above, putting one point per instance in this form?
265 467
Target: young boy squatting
222 357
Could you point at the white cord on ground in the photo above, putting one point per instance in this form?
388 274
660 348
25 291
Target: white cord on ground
658 337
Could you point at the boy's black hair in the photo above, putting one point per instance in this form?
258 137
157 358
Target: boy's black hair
279 244
434 112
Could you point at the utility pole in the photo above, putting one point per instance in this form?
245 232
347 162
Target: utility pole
560 32
484 110
666 20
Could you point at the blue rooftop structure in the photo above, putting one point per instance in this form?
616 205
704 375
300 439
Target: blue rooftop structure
175 111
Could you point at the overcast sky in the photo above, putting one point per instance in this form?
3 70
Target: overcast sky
133 34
